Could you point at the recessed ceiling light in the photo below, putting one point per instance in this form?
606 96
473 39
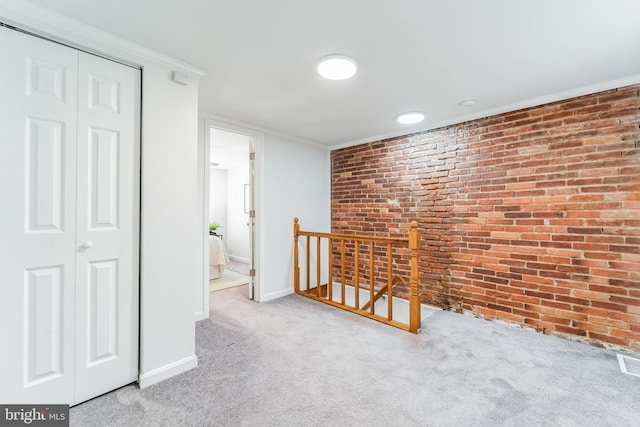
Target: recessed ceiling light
337 67
410 118
469 102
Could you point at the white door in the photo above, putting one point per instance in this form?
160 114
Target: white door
68 222
38 111
107 226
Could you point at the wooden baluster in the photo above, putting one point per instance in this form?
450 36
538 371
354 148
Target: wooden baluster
330 268
414 298
389 283
343 270
356 276
296 266
372 274
308 264
318 267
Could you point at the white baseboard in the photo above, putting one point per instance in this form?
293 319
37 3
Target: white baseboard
277 294
237 258
168 371
200 316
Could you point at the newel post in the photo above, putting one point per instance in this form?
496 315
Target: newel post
296 266
414 298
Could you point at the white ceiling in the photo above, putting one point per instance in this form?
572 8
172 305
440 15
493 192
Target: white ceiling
427 55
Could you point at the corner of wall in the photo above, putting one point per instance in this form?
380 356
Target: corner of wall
157 375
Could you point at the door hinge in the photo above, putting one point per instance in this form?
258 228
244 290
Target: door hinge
252 156
252 272
252 213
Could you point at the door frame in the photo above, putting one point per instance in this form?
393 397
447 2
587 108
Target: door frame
255 146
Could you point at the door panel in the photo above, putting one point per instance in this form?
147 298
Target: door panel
44 320
107 224
46 78
37 248
104 168
44 175
102 312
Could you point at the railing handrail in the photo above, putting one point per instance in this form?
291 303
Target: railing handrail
359 237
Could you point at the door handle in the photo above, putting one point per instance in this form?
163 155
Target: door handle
85 245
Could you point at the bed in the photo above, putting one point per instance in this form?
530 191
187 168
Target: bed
218 257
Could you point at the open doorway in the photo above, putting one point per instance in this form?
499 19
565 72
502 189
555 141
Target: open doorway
229 207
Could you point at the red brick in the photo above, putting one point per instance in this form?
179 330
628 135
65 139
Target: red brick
624 334
570 330
610 290
609 306
608 339
591 327
625 283
591 311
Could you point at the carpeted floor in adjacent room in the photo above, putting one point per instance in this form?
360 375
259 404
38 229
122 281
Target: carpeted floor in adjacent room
228 279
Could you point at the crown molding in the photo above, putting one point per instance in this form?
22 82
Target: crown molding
532 102
43 22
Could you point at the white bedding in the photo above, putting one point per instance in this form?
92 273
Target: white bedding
218 257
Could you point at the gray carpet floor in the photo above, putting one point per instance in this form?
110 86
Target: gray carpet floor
296 362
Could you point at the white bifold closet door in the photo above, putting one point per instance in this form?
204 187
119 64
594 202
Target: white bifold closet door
69 195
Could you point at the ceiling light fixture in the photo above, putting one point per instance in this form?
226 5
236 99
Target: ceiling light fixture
410 118
469 102
337 67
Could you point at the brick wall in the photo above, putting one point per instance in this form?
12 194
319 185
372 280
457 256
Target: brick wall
531 217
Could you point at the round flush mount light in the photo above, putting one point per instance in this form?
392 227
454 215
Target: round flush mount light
410 118
469 102
337 67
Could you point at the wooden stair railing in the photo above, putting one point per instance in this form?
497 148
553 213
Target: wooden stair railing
324 292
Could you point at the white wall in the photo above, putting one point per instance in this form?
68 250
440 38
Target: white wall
226 207
170 224
218 193
296 182
203 170
237 237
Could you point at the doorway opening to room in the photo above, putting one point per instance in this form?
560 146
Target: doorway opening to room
230 208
